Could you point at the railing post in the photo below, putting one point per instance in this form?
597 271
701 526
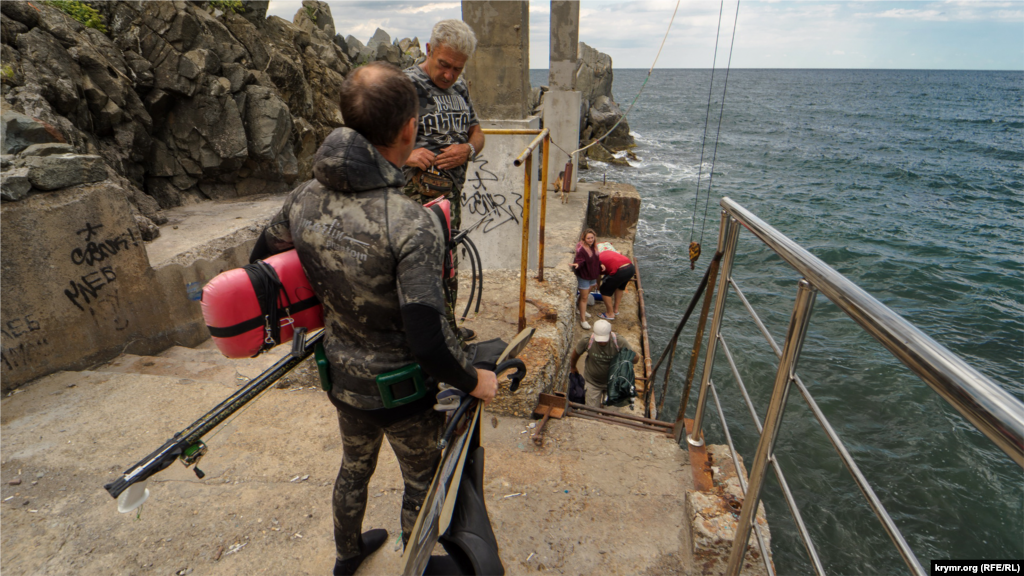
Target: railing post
772 421
526 241
728 233
543 207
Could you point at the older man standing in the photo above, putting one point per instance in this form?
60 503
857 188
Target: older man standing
449 135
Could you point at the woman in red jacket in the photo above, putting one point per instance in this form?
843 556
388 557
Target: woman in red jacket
620 271
587 266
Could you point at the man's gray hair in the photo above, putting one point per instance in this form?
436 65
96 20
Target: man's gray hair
456 35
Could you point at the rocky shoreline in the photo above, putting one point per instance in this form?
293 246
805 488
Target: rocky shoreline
181 102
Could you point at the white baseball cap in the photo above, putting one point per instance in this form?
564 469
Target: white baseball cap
602 331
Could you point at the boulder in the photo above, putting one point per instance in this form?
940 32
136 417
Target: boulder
339 41
237 76
18 132
593 73
355 48
604 114
379 37
249 36
147 229
268 123
22 12
256 11
9 30
14 184
199 61
318 14
64 170
47 62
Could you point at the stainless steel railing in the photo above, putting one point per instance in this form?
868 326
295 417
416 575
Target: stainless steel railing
995 412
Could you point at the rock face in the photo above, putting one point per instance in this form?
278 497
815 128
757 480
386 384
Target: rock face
599 112
178 102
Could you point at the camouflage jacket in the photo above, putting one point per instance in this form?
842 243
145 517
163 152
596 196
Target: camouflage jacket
368 250
445 117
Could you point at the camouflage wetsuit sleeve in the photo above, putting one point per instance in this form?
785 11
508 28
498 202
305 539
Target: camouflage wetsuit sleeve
277 235
415 236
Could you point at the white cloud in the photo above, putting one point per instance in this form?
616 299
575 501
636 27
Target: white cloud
769 33
431 7
903 13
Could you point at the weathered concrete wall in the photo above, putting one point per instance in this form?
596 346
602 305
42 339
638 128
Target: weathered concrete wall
498 74
494 194
78 287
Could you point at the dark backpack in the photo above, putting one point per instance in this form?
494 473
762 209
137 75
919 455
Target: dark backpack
577 388
621 379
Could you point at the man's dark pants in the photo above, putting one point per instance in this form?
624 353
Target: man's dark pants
414 441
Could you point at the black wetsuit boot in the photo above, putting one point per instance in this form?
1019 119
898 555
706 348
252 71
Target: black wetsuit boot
370 541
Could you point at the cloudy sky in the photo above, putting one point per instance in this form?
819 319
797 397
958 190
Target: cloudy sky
954 34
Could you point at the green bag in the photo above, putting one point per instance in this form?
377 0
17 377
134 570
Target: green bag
621 379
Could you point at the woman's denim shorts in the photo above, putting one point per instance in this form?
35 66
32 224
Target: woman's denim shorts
584 284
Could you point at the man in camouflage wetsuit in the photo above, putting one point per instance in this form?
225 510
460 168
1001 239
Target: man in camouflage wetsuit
449 135
374 258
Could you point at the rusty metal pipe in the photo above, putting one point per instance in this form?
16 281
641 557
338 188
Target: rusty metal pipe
584 407
528 152
651 410
625 423
543 206
698 339
512 131
526 240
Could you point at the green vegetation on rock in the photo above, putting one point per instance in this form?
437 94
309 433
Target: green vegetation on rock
311 13
86 15
6 73
234 6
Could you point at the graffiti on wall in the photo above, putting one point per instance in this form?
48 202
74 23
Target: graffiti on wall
491 206
20 339
96 247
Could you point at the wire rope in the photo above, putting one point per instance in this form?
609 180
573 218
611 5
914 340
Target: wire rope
642 86
707 120
721 113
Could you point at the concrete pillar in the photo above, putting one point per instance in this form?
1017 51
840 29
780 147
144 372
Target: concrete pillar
562 103
565 38
498 74
561 112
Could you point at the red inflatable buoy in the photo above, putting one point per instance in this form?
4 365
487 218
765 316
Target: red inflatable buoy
237 305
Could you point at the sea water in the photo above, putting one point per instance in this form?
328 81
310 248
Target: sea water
909 183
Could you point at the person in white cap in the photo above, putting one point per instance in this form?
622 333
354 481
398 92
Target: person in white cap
601 347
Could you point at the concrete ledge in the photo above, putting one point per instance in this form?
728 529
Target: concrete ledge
80 286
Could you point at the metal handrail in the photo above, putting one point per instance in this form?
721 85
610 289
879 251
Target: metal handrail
765 556
526 156
787 494
858 477
991 409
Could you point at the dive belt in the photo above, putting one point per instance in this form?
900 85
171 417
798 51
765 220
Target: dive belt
432 183
402 386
